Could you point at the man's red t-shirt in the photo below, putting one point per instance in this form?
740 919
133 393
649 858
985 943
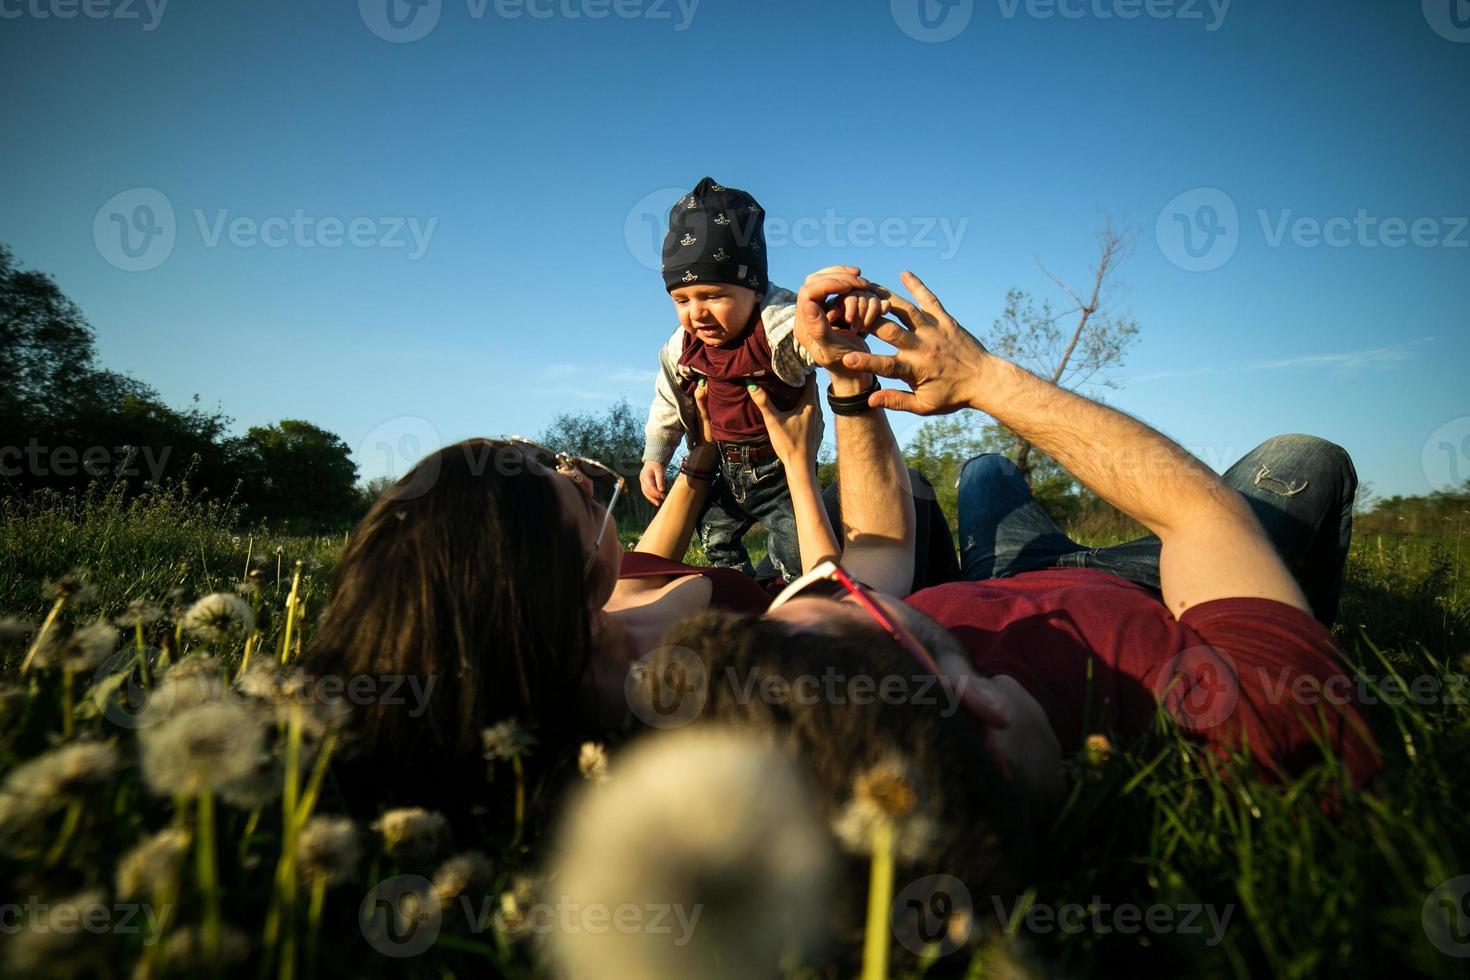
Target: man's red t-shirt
1231 671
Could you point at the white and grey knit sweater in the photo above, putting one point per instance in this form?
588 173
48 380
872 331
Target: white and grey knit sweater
672 417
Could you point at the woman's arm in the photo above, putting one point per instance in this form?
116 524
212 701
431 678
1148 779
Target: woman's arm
877 497
795 436
673 525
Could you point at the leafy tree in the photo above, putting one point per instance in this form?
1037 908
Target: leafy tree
297 471
613 437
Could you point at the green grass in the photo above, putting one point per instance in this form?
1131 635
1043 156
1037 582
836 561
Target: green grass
1310 892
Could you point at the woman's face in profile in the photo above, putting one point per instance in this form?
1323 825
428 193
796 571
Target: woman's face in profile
585 515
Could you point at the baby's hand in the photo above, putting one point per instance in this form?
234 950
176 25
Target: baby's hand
859 311
653 482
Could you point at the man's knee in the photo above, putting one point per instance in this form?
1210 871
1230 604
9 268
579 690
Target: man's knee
989 467
1319 455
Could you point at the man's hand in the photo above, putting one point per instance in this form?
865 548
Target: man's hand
824 342
653 481
937 357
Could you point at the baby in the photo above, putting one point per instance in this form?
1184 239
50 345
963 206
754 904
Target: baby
735 334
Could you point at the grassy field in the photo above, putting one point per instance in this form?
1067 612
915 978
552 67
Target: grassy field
97 808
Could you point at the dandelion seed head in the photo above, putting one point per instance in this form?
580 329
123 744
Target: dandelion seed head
152 867
888 792
59 952
13 630
213 617
412 833
73 587
205 747
140 612
328 849
506 740
463 874
592 762
186 955
63 774
701 818
511 918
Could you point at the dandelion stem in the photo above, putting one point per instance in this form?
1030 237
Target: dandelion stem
880 897
520 771
314 919
208 874
68 828
290 613
314 783
245 661
142 654
68 699
41 633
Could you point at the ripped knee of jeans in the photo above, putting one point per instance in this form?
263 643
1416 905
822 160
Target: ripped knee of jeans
1266 481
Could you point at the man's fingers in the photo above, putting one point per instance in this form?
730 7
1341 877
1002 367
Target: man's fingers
892 333
907 312
872 364
660 482
817 287
895 401
928 302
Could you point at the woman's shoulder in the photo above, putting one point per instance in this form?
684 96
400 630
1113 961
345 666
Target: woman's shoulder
731 590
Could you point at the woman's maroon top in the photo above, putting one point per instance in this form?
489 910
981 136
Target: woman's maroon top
731 590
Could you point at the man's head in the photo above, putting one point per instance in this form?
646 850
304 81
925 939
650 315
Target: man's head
868 727
715 252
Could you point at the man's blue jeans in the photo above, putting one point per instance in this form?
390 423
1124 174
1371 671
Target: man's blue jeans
1301 488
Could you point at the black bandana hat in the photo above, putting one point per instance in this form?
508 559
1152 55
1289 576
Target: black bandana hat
716 234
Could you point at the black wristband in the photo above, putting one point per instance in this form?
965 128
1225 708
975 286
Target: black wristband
851 404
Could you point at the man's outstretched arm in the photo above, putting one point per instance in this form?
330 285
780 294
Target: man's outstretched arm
1213 546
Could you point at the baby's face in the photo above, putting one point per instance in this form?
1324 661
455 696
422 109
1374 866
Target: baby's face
715 313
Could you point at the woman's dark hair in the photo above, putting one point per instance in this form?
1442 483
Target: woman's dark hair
466 575
984 831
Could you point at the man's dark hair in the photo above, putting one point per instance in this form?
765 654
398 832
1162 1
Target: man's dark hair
981 820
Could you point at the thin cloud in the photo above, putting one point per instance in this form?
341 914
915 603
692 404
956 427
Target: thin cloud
1345 361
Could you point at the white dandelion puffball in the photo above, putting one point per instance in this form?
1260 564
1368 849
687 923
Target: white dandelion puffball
206 747
212 617
712 832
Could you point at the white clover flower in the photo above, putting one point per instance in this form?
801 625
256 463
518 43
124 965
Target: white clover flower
717 829
152 867
205 747
328 850
213 617
412 833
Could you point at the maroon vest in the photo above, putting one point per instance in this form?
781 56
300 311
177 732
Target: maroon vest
744 360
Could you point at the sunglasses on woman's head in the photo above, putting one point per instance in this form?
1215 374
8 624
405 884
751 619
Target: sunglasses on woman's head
605 484
830 581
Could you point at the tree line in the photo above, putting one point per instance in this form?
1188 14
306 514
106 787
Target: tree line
66 421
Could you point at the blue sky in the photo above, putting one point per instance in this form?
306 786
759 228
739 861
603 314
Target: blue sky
473 209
